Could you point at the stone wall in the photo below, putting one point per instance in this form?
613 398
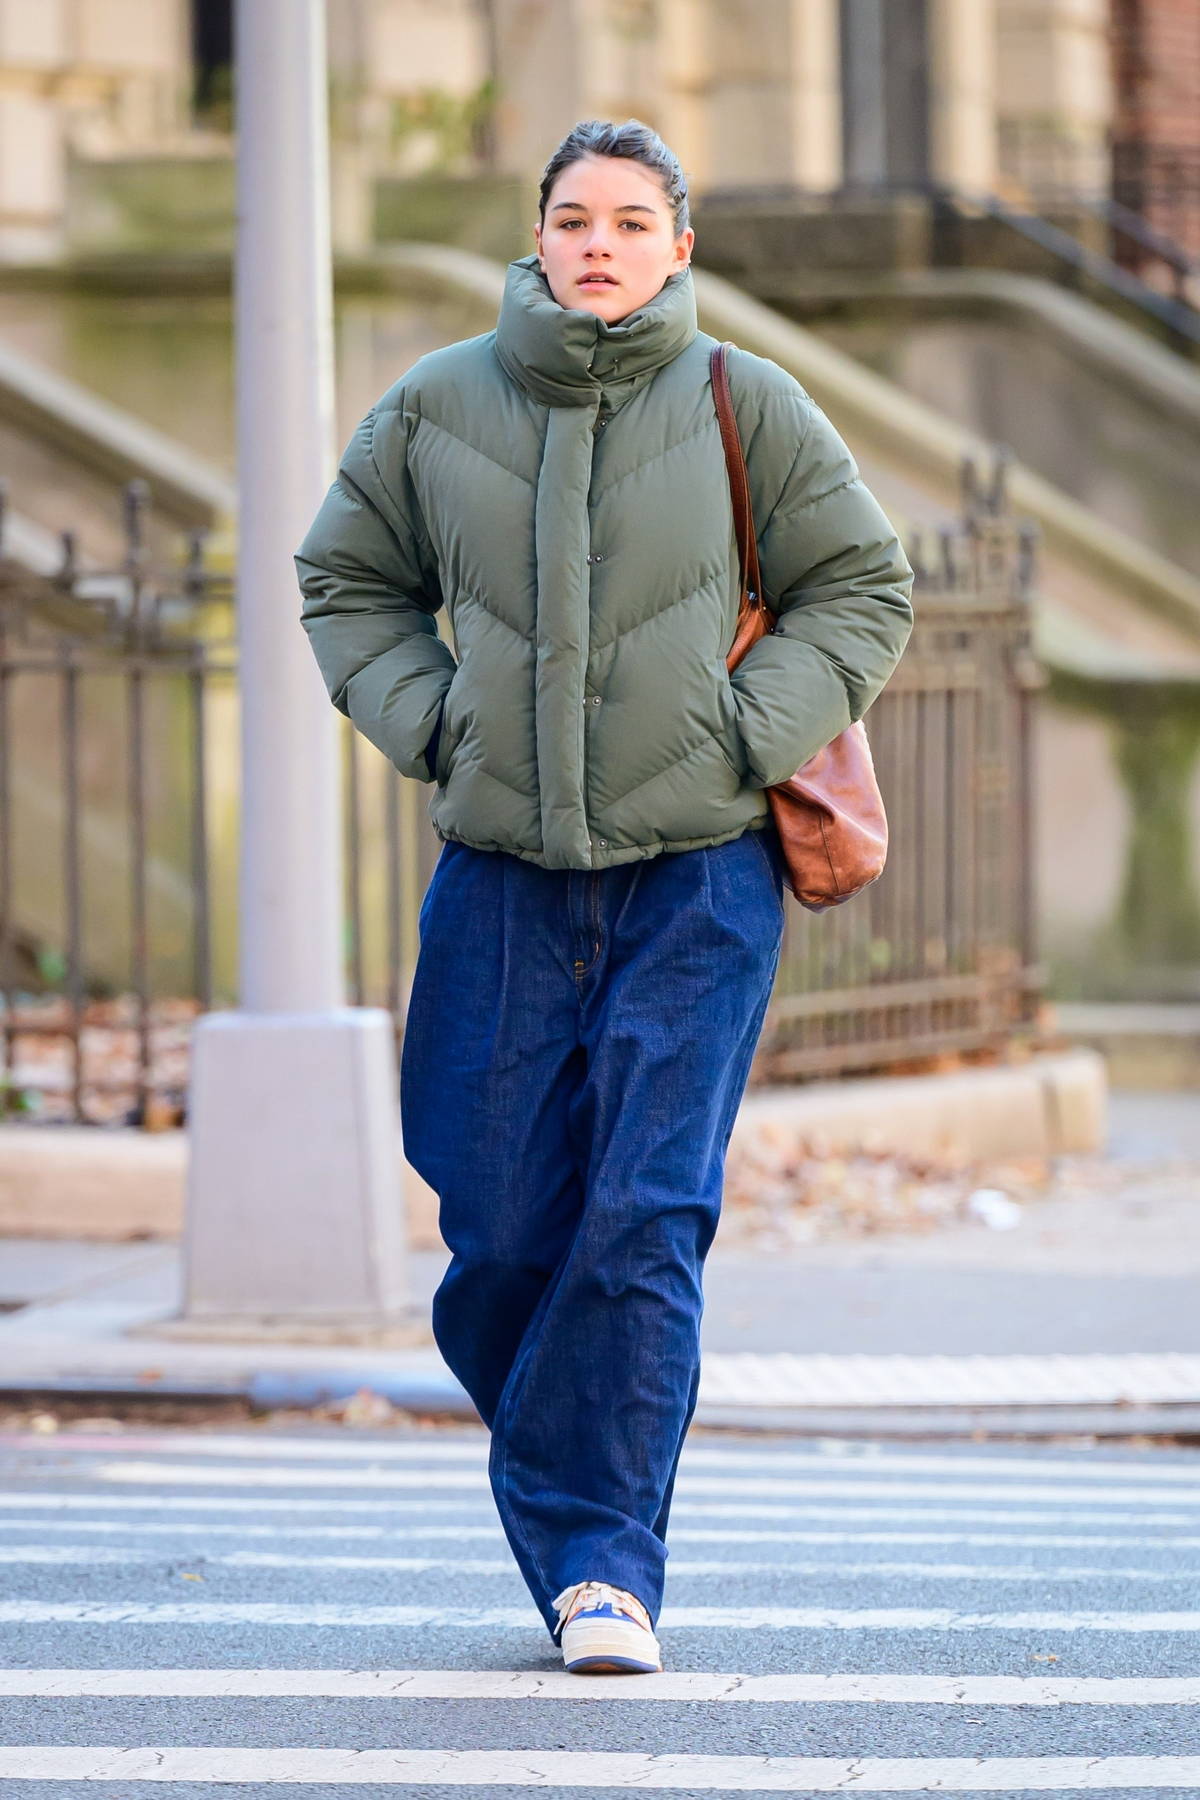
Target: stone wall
104 76
1054 97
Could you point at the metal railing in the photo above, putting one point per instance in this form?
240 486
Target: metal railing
1158 184
118 822
1118 275
107 692
1080 264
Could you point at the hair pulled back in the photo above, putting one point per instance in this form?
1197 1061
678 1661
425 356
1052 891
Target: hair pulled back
633 140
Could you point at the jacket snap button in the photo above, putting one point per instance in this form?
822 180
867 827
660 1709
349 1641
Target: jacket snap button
596 698
604 843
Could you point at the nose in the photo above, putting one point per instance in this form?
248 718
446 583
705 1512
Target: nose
598 242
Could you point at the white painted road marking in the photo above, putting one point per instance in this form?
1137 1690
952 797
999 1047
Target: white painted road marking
523 1684
453 1511
779 1379
829 1457
402 1530
597 1770
683 1508
679 1618
104 1555
762 1487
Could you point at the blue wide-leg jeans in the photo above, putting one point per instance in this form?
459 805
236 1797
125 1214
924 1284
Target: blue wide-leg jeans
576 1047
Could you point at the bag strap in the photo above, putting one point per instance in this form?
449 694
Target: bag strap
739 482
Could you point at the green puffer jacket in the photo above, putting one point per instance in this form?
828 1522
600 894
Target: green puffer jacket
559 485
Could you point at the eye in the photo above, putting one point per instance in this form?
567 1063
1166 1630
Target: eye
636 223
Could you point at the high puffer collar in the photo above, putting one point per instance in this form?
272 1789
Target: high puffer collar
564 355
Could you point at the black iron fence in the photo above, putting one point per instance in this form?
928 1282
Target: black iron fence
939 954
118 834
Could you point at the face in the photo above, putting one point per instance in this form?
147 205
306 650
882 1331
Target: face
608 242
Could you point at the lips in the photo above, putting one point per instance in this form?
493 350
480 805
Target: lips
596 281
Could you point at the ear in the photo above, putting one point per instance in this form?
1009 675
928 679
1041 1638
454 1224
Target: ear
682 249
537 239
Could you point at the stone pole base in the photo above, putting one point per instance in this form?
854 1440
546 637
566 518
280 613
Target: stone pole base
294 1198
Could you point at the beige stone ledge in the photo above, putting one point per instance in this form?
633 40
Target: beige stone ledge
81 1182
72 1181
1052 1105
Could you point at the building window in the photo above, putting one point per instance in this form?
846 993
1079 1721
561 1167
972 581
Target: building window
212 63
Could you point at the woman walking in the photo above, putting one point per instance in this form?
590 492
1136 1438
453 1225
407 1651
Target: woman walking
601 933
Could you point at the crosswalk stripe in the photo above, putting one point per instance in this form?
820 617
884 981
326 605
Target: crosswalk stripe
468 1684
681 1534
599 1770
680 1618
841 1456
787 1379
718 1502
103 1555
274 1475
683 1508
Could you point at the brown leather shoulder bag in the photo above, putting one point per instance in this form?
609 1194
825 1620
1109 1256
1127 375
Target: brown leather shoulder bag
829 814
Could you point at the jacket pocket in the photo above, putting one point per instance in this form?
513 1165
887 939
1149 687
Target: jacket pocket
728 737
451 731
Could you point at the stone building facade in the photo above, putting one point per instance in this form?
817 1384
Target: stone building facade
1029 98
82 77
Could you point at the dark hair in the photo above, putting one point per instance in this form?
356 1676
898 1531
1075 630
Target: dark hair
638 142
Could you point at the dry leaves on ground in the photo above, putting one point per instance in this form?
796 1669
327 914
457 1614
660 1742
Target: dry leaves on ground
785 1189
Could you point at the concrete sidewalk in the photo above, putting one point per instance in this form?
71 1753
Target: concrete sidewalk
1083 1316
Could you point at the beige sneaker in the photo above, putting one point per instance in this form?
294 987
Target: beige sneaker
605 1630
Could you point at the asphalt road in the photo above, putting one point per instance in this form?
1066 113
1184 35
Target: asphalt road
328 1613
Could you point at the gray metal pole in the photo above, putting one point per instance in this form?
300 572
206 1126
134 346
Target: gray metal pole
294 1179
290 891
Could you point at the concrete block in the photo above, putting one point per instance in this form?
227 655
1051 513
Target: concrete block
1048 1106
1075 1087
294 1203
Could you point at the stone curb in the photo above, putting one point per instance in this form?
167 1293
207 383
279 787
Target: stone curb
305 1391
430 1398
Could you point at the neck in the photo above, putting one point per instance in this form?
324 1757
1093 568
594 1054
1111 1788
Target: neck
563 355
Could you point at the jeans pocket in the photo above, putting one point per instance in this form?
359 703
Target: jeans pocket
770 849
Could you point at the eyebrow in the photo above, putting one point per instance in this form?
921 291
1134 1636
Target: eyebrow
578 206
